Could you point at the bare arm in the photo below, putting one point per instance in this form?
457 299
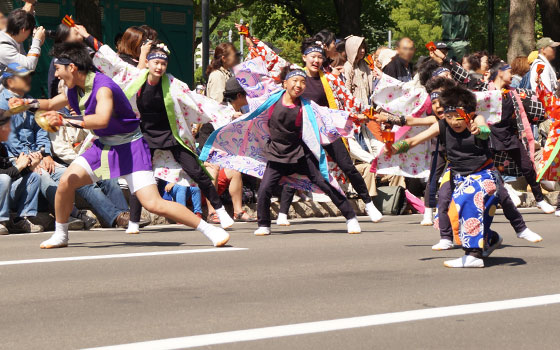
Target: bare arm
427 121
54 104
424 136
29 6
103 111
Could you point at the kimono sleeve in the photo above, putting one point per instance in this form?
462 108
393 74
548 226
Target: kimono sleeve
274 63
347 101
109 63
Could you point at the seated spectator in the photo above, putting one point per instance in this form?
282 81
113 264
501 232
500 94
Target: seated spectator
180 194
20 26
19 187
234 96
28 138
105 198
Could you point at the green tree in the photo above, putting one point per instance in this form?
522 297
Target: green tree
478 26
418 20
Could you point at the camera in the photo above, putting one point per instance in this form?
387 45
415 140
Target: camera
50 33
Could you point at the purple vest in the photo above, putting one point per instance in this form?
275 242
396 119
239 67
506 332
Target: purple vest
123 120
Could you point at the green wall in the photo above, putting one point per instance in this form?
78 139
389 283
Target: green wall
173 19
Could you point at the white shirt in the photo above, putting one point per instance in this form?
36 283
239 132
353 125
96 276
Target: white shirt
548 76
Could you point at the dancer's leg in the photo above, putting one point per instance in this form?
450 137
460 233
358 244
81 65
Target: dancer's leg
272 174
338 152
74 177
190 165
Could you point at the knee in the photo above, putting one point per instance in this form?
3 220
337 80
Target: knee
5 181
66 182
154 205
33 179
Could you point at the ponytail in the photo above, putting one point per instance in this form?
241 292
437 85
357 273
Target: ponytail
217 62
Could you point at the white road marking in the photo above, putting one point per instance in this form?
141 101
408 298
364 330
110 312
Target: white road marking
118 256
335 325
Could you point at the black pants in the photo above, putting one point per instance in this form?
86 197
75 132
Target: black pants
307 165
339 154
522 159
436 170
189 163
510 211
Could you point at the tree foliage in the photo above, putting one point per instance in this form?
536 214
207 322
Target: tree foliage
418 20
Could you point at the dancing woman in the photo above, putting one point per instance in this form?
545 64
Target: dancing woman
167 111
327 90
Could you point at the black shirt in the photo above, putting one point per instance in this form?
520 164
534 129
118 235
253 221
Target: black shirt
504 134
465 152
285 144
6 165
314 91
153 117
398 69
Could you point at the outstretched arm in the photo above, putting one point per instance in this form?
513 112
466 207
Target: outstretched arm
99 120
404 145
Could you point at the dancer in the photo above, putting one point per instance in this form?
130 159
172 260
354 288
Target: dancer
167 110
326 90
512 134
471 171
287 154
281 140
120 151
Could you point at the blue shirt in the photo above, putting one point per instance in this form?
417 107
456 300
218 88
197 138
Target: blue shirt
26 135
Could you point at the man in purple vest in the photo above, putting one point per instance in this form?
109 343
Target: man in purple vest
120 151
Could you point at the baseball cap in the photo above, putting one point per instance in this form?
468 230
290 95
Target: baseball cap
233 87
532 56
545 42
440 45
14 69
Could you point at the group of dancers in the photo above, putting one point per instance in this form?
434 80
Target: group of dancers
295 135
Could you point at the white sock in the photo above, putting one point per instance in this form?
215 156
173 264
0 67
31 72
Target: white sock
374 214
133 226
203 226
61 229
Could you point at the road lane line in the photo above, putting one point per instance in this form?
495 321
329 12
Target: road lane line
119 256
334 325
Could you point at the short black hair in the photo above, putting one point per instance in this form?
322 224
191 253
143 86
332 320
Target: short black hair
75 52
458 97
426 69
18 20
438 83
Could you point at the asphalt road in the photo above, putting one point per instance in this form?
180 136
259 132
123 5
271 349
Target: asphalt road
312 271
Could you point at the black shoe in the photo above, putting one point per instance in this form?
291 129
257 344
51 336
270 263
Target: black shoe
144 223
89 222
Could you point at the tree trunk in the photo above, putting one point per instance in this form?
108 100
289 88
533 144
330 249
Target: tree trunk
550 14
348 12
88 14
521 28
